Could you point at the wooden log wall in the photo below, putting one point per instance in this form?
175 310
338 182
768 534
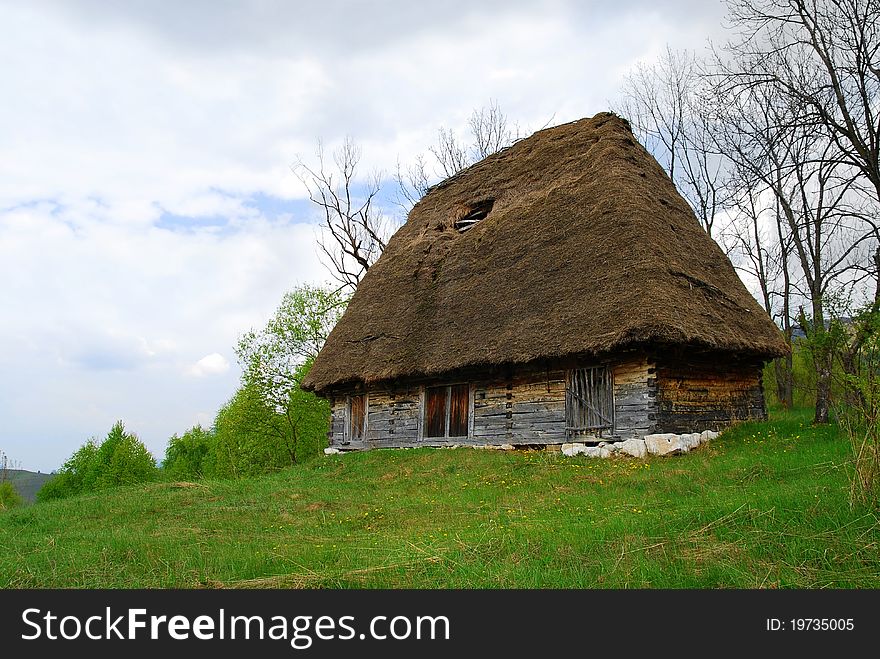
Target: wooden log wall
393 418
635 398
528 408
696 394
521 409
336 434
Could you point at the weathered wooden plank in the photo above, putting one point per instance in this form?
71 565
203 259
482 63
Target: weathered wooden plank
501 418
394 439
631 372
630 388
386 415
487 431
699 394
521 407
641 403
630 422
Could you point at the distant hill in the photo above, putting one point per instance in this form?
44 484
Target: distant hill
27 482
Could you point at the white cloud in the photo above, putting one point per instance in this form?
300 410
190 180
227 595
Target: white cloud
213 364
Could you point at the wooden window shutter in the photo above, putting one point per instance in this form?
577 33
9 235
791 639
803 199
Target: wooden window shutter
447 411
458 410
435 411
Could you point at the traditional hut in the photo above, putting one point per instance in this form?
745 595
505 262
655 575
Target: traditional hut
560 290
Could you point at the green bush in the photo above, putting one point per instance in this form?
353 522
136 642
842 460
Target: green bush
251 438
121 459
9 496
79 474
803 376
186 456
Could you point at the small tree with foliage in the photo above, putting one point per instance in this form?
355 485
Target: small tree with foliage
185 456
243 445
274 361
121 459
78 474
9 496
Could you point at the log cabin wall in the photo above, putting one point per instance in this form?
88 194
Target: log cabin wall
336 434
526 408
530 408
635 398
707 392
522 408
393 418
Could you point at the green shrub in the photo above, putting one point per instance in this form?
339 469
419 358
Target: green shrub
9 496
249 437
185 456
803 378
121 459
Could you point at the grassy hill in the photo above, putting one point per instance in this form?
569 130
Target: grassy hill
763 506
27 483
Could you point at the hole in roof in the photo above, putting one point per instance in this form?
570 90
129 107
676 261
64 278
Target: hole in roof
473 214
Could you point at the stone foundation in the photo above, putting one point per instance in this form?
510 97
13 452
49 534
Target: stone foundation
656 444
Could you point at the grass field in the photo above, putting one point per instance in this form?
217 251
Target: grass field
764 506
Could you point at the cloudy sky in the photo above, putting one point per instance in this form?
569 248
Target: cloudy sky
148 213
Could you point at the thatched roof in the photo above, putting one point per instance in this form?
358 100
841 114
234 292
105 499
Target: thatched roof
587 248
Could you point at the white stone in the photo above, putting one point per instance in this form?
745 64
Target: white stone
664 444
572 450
706 435
634 447
506 447
331 451
690 440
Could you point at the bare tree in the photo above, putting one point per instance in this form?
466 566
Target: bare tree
412 182
818 223
760 246
451 154
826 55
818 61
669 108
354 231
9 496
490 131
6 466
655 102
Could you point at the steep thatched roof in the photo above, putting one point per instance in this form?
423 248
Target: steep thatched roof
587 248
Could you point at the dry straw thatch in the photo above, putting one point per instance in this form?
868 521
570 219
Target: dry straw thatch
588 248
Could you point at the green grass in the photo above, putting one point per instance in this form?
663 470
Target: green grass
764 506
